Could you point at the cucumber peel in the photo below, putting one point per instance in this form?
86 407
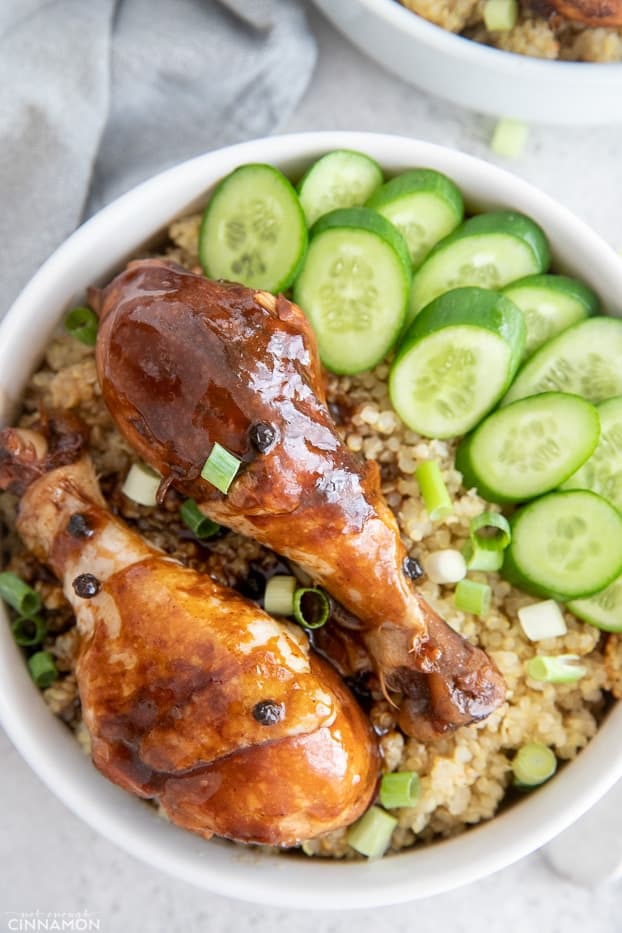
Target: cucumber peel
489 250
455 361
253 229
341 178
354 287
529 447
551 304
565 546
423 204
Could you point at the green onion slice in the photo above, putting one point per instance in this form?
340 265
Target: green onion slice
220 468
278 598
311 607
82 323
509 138
470 596
490 531
141 484
18 594
533 764
42 669
562 669
399 789
500 15
433 490
201 526
480 559
28 630
371 835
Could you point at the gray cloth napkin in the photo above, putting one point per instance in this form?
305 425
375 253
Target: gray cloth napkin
97 96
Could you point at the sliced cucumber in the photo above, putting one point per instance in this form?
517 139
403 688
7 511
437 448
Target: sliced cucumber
604 609
529 447
424 205
342 178
602 473
253 229
354 287
550 304
455 361
583 360
489 251
565 545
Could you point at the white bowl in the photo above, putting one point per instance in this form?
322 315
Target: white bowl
477 76
91 255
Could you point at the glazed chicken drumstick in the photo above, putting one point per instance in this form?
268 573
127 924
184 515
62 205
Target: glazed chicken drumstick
185 362
192 695
588 12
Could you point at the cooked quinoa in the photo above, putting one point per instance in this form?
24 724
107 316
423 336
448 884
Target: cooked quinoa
464 776
551 37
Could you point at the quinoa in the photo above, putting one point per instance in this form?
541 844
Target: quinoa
551 37
464 776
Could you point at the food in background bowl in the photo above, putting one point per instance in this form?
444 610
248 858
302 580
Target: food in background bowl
218 388
582 30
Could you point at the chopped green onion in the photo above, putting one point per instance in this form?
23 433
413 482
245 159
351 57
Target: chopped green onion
42 669
446 566
433 490
490 531
278 598
141 484
371 835
28 630
500 15
562 669
472 597
220 468
509 139
478 559
202 526
311 607
82 323
18 594
533 764
399 789
542 620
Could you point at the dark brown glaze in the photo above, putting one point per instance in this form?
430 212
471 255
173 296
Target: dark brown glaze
173 668
185 362
592 13
318 775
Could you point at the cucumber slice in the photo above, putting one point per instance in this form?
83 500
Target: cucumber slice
343 178
253 229
489 251
455 361
424 205
602 473
604 609
565 545
550 304
583 360
354 287
529 447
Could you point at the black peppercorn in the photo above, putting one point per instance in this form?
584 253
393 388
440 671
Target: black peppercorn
268 712
262 436
79 526
412 568
86 585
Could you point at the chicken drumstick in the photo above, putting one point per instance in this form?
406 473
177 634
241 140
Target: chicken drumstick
185 362
192 695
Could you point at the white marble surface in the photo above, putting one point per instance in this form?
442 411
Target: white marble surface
52 862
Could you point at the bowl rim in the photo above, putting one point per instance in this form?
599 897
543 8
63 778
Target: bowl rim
52 751
456 46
